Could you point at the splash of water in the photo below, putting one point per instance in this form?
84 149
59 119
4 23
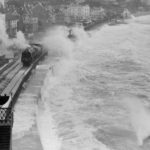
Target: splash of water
47 130
80 33
57 43
140 118
82 37
65 67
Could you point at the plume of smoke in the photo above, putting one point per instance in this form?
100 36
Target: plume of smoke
5 43
140 118
20 41
2 2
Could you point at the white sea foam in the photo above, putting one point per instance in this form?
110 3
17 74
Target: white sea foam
47 129
140 118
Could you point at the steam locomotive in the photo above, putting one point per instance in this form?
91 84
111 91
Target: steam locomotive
31 53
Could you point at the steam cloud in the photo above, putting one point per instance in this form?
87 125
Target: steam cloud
5 43
2 2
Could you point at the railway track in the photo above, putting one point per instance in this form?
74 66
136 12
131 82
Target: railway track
6 66
12 79
14 84
8 75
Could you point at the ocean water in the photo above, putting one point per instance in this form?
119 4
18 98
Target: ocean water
96 94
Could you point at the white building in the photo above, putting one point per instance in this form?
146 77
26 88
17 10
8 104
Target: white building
97 13
79 1
85 12
78 11
126 13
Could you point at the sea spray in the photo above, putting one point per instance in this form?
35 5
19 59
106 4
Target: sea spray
82 37
47 129
58 45
140 118
80 33
46 125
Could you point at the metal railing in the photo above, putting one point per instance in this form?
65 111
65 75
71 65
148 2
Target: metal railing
6 117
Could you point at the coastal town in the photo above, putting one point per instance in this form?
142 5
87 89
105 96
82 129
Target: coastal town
74 75
34 16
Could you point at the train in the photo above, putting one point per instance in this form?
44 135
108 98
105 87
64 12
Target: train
31 53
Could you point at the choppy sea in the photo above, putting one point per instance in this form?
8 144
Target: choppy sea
91 93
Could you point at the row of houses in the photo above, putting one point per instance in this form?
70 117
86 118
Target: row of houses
28 18
75 13
33 17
